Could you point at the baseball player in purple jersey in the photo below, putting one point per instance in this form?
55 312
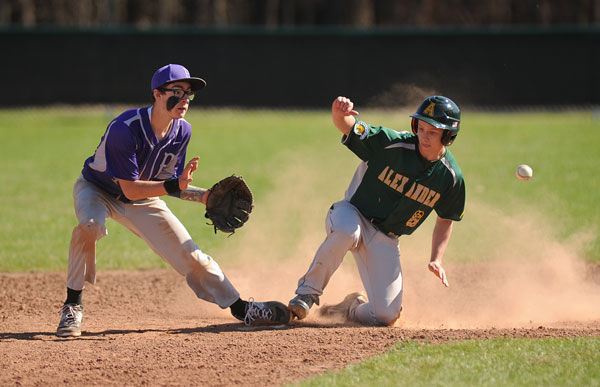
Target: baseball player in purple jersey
140 158
402 178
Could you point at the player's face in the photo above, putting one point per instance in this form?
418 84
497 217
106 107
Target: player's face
181 90
430 139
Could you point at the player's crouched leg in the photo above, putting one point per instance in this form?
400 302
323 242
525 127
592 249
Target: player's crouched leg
346 236
82 253
210 284
205 277
167 236
387 318
369 314
343 224
89 231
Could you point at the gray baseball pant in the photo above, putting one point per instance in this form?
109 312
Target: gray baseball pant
377 257
151 220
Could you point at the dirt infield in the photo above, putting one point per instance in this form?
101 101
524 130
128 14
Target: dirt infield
146 327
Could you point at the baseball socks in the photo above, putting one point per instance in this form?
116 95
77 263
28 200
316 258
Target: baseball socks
238 309
73 296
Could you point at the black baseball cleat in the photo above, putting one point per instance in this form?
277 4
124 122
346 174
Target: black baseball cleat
300 305
266 313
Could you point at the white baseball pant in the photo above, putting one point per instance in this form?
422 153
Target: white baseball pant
377 257
151 220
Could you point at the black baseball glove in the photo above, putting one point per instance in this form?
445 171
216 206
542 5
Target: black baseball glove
229 204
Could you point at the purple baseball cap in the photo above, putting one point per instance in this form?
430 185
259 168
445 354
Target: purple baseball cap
173 73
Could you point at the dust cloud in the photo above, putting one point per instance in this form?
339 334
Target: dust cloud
504 270
400 95
521 276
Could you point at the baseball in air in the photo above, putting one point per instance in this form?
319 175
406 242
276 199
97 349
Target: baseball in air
524 172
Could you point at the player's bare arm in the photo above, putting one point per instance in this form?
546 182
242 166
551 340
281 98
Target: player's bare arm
141 189
342 112
195 194
439 241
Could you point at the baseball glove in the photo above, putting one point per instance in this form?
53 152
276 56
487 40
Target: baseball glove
229 204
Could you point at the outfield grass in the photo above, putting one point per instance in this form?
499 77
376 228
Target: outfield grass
562 147
42 152
497 362
295 166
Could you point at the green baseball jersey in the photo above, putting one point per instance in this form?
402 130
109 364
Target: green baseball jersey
395 187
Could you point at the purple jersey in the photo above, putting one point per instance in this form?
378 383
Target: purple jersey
129 150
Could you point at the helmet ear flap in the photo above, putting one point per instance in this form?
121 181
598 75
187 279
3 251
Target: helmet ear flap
414 125
448 137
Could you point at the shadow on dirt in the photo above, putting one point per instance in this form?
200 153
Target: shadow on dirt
222 328
41 336
213 328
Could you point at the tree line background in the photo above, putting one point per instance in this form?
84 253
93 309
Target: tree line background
365 13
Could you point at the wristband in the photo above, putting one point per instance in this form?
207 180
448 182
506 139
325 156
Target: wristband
172 186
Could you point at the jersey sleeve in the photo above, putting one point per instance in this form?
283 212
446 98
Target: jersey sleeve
452 204
121 160
364 139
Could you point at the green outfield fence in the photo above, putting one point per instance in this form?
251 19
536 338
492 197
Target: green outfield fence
305 67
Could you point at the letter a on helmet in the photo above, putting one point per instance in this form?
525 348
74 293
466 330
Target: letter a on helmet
430 110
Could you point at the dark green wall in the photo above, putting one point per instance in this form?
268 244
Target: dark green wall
304 67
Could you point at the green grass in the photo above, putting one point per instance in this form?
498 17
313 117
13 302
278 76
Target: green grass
42 154
496 362
42 151
563 150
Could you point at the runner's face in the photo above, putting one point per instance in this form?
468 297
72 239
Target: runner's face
430 138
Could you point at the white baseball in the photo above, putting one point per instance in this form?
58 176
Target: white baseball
524 172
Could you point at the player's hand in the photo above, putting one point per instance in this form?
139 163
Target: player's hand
186 177
436 268
343 106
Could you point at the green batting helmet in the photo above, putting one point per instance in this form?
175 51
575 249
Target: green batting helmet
440 112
